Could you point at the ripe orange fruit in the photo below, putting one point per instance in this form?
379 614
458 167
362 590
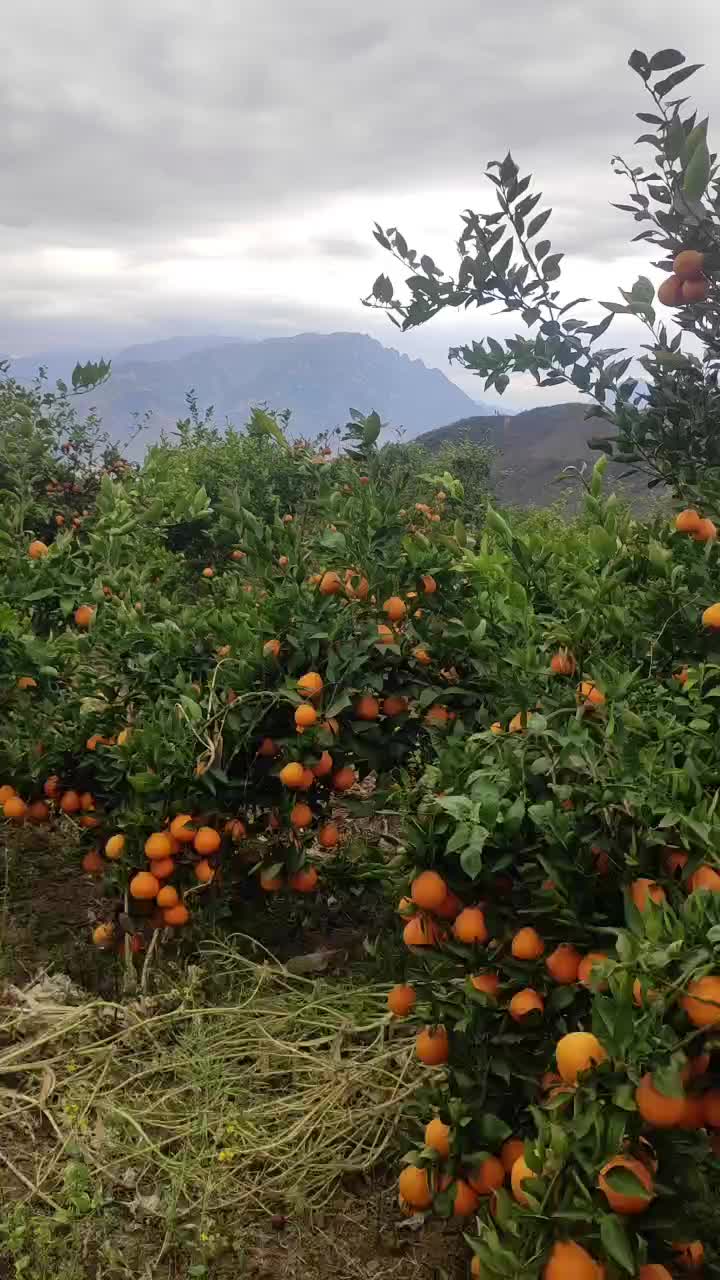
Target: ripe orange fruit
687 521
15 809
26 682
642 995
563 964
51 787
657 1108
267 749
694 290
330 584
344 779
305 716
711 1108
367 708
144 886
464 1199
305 880
114 847
176 915
577 1052
690 1255
301 816
395 608
203 871
421 655
70 802
37 550
670 291
328 836
208 572
488 983
311 684
487 1177
324 766
711 617
475 1266
589 691
432 1046
518 722
437 1137
525 1002
704 878
84 615
520 1172
207 841
586 969
689 264
450 907
470 926
429 890
308 779
569 1261
158 845
6 791
673 860
438 716
167 897
510 1151
643 891
103 935
271 648
496 728
401 1000
237 555
182 829
415 1188
562 663
621 1202
162 868
702 1002
704 531
292 776
394 705
428 584
386 635
693 1116
420 932
527 945
654 1271
38 811
92 863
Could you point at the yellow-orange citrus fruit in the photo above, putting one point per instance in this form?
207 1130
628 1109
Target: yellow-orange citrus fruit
415 1188
70 802
437 1137
176 915
386 635
569 1261
694 290
162 868
702 1002
37 549
26 682
167 897
673 860
305 880
158 845
438 717
330 584
590 693
267 749
114 847
525 1002
687 521
577 1052
470 926
711 1108
450 907
694 1115
103 935
15 809
643 891
432 1046
689 264
527 945
704 878
428 584
464 1199
144 886
670 291
84 615
689 1254
520 1171
420 932
429 890
271 648
311 684
367 708
324 766
344 779
421 655
292 775
563 964
207 841
704 531
711 617
518 722
270 884
6 791
487 1177
654 1271
395 608
401 1000
657 1109
619 1201
562 663
394 705
487 983
305 716
586 970
643 995
301 816
328 836
92 863
510 1151
182 829
203 871
496 728
38 811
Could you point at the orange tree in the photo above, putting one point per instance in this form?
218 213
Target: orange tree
563 921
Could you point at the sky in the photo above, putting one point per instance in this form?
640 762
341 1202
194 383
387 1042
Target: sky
174 168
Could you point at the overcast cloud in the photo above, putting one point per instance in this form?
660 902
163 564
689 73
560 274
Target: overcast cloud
170 167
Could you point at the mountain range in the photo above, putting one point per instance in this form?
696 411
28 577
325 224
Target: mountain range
319 377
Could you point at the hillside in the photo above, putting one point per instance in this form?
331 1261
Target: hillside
533 448
319 377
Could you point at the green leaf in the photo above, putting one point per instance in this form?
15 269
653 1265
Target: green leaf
144 782
677 77
666 59
616 1243
625 1182
493 1130
697 172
